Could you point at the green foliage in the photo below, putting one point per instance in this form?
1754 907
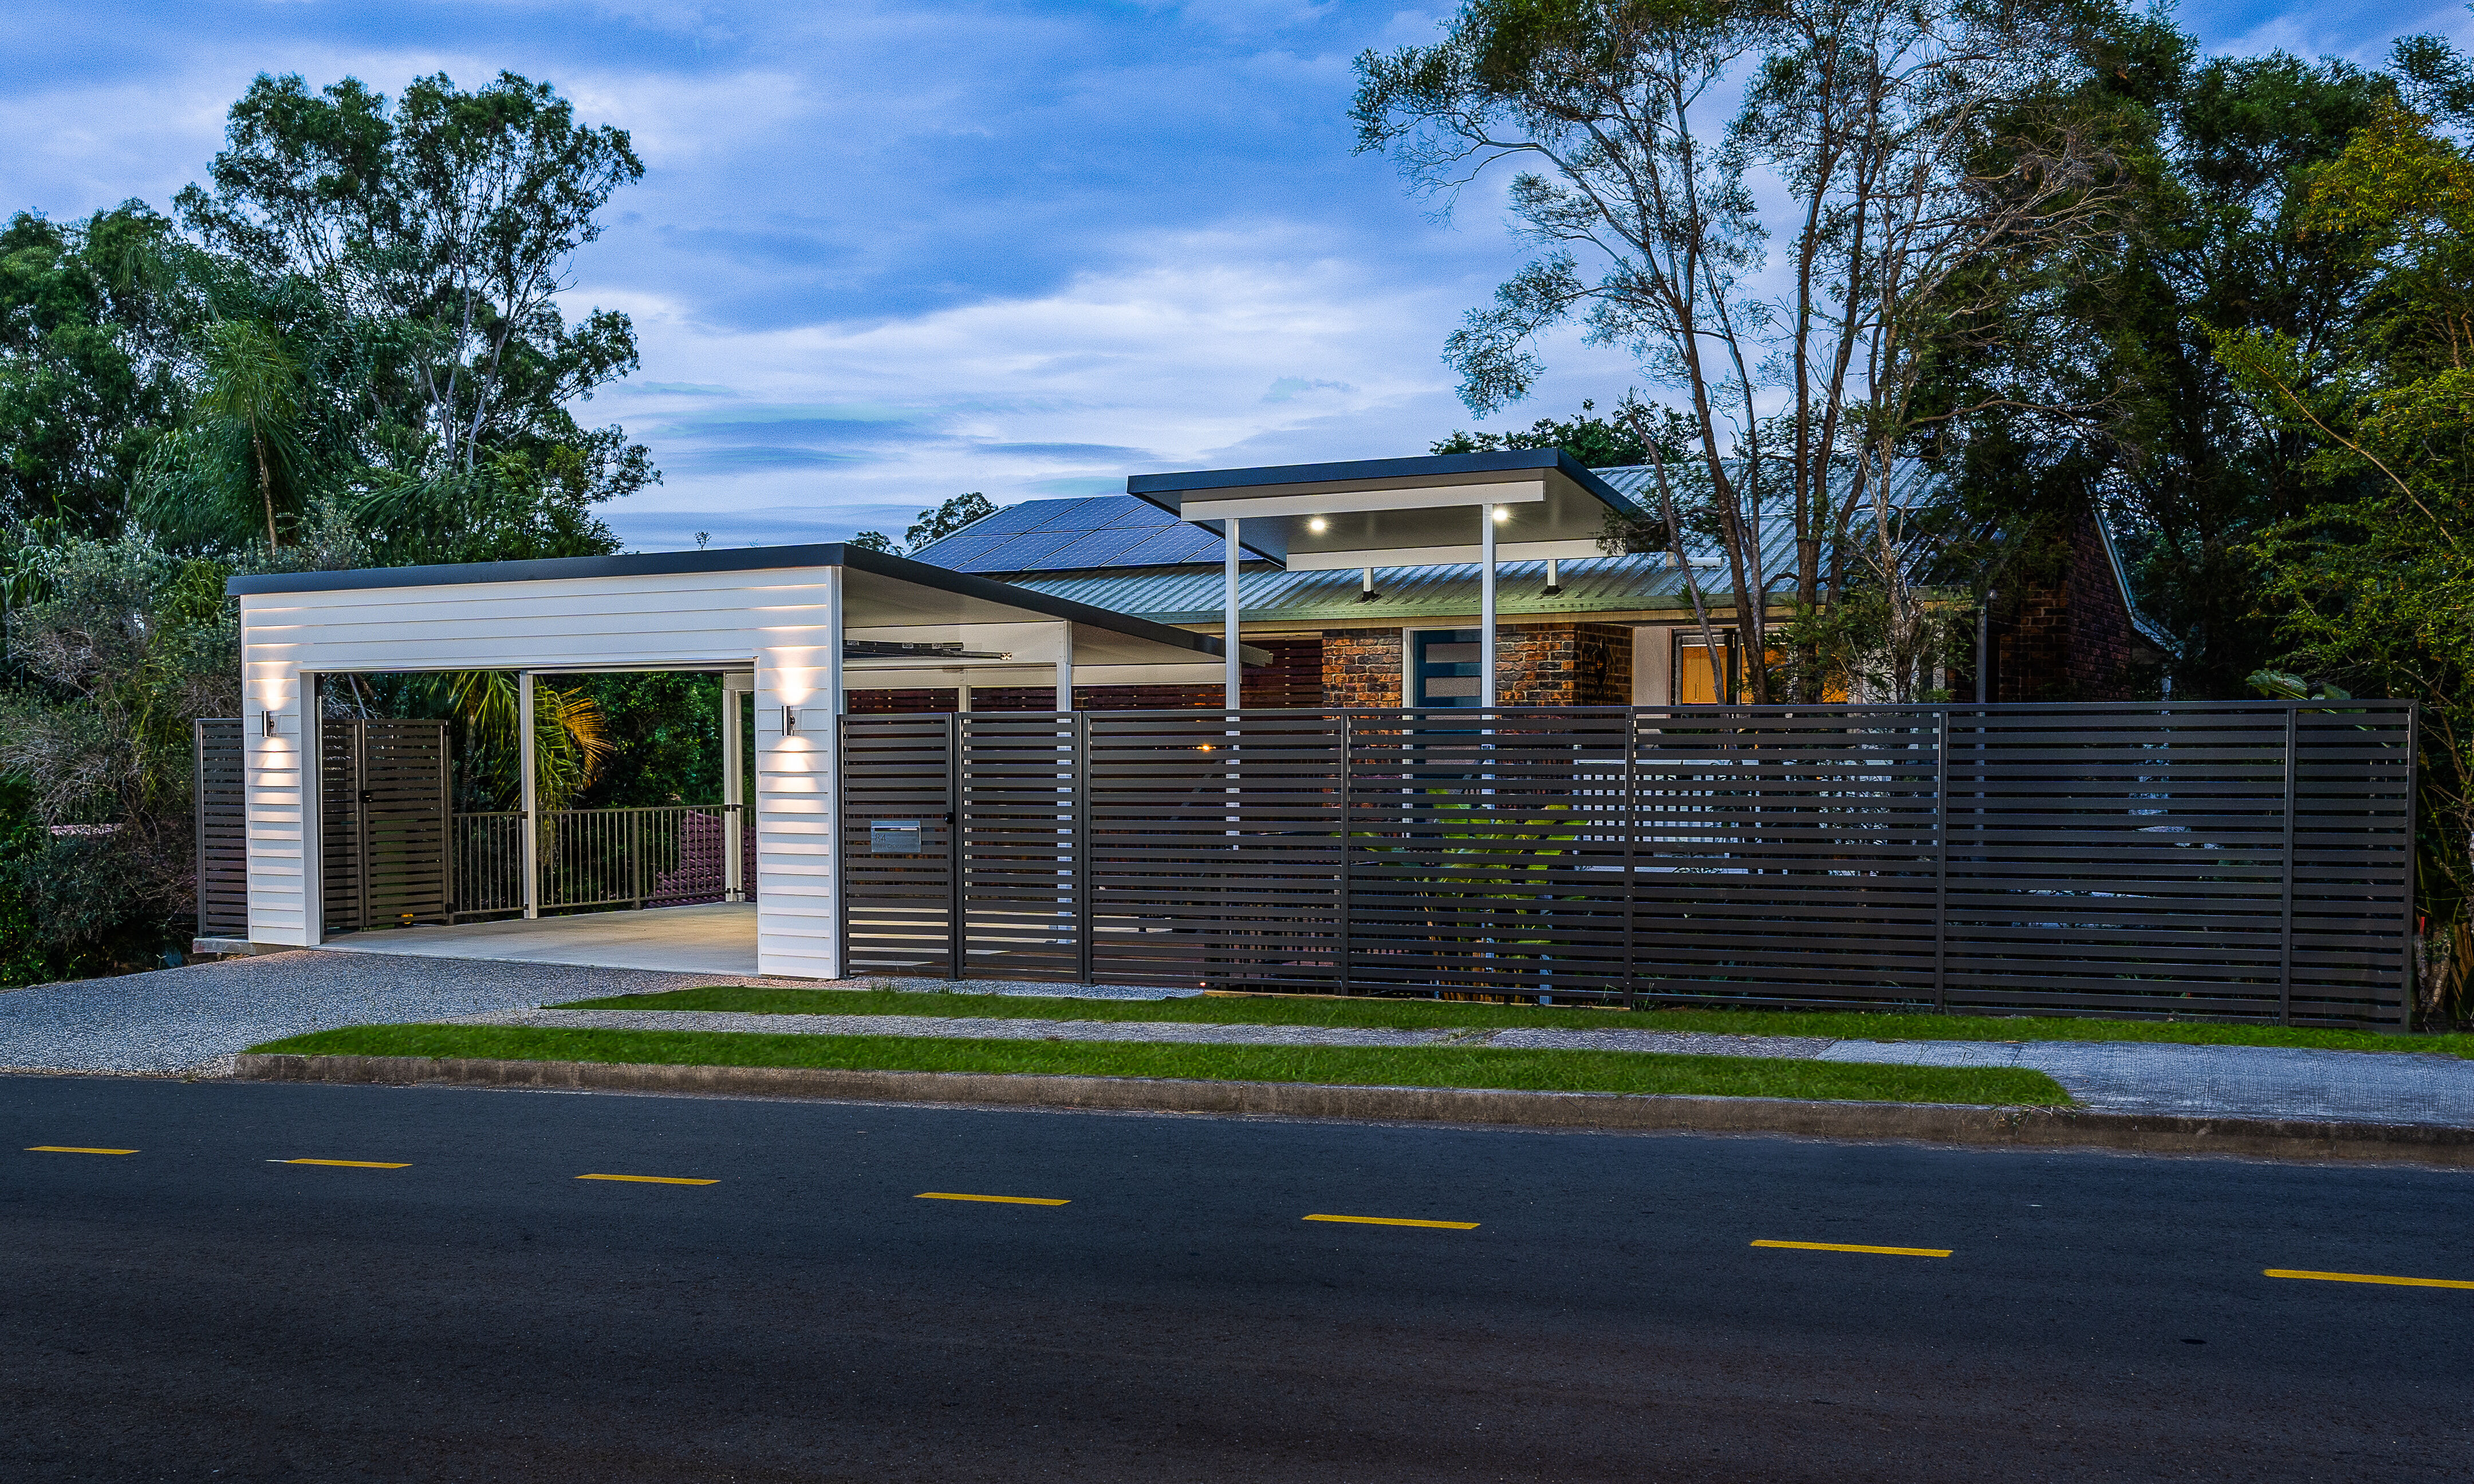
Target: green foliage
664 736
877 541
89 369
120 646
1596 442
2374 577
949 517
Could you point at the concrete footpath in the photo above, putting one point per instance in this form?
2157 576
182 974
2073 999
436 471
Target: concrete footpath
2435 1089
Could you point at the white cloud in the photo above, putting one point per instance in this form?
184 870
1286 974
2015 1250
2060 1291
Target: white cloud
1162 365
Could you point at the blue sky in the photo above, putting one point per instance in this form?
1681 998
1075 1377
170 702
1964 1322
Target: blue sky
887 252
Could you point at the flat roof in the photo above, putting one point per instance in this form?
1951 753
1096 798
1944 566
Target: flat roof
1415 512
750 559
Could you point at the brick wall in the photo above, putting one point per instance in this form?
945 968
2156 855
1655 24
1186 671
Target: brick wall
1535 664
2070 639
1361 668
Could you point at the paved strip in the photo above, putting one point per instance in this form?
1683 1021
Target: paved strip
1397 1221
72 1149
2369 1277
963 1027
993 1200
652 1179
348 1164
1887 1252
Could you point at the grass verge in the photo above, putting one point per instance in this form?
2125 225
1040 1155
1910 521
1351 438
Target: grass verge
1419 1066
1421 1013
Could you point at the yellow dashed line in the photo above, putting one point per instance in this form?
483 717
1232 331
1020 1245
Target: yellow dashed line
1397 1221
347 1165
2369 1277
1887 1251
652 1179
72 1149
999 1200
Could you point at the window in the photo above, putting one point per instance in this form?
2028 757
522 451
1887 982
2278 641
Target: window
1445 668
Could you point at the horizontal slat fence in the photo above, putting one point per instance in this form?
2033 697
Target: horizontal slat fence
221 768
2235 860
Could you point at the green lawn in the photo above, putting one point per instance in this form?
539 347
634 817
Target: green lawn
1420 1067
1419 1014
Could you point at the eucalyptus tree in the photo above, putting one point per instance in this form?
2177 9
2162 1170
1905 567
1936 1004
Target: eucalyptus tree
1889 149
446 223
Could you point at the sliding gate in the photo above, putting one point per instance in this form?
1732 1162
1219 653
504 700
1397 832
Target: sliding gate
2227 859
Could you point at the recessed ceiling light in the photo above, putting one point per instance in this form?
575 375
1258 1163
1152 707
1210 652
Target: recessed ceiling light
1501 514
1318 525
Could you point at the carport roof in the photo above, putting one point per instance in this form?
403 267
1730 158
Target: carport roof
967 597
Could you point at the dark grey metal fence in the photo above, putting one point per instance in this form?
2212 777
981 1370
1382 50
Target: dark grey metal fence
220 775
2216 859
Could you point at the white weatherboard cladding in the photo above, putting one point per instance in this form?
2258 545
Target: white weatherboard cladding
787 623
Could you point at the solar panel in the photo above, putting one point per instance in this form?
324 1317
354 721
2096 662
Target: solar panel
1058 536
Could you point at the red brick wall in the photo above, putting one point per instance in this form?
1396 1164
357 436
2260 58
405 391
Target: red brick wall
1535 664
2071 638
1361 668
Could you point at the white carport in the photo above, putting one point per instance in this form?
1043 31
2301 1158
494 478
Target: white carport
794 621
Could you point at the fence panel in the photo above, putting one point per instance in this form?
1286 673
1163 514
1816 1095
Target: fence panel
1787 858
2221 860
898 772
222 774
1238 814
1020 783
384 832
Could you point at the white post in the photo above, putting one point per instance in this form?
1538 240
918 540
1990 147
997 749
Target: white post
829 786
734 794
1230 637
1065 666
1485 607
528 792
963 695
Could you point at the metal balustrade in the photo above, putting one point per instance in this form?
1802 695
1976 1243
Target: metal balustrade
658 855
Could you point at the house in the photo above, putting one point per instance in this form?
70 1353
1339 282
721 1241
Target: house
1575 627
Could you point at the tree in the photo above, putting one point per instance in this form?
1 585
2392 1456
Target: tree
947 518
1914 146
877 541
88 356
123 646
2375 578
1595 441
445 225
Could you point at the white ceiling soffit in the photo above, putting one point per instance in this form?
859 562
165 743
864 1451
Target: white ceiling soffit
1396 513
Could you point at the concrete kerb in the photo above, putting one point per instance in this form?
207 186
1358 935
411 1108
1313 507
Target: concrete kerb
2021 1128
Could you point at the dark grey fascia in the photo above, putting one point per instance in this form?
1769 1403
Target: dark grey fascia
1149 488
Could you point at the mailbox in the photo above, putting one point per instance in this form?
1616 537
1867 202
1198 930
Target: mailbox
893 837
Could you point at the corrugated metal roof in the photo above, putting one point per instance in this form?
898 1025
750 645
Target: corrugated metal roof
1083 549
1191 595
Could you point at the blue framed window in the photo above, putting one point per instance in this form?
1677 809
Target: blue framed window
1444 667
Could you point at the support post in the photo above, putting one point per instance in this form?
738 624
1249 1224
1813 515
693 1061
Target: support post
1065 666
528 791
734 791
1486 606
1234 666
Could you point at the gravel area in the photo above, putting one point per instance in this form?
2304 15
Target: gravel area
188 1019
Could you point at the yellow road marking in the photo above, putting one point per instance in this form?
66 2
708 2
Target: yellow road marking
72 1149
652 1179
1887 1251
1000 1199
347 1165
1397 1221
2369 1277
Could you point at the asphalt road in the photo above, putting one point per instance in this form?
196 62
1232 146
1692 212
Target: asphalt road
194 1311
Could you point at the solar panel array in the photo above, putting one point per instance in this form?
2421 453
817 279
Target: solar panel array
1063 535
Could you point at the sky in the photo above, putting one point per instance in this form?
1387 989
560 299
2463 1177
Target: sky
887 252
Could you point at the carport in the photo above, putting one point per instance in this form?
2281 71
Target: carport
795 625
